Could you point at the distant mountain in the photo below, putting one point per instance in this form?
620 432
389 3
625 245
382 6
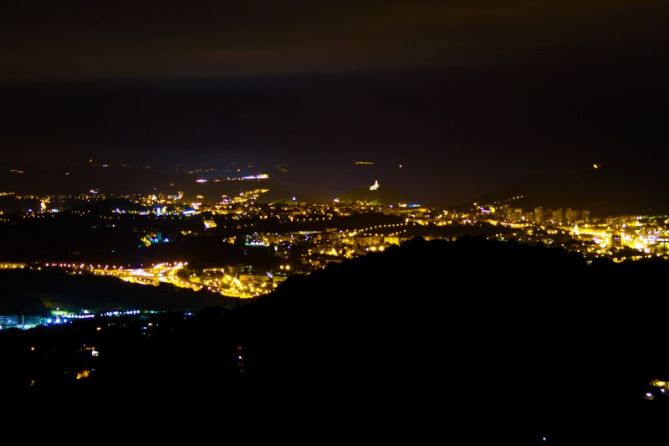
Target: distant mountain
122 179
382 195
605 191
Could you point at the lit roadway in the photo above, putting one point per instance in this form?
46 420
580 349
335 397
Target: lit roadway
224 284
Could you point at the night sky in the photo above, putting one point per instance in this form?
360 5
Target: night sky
468 95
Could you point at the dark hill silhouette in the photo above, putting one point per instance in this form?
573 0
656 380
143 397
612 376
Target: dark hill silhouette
383 195
610 190
497 343
119 179
492 332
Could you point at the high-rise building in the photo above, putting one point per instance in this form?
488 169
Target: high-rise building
570 216
508 213
539 215
515 214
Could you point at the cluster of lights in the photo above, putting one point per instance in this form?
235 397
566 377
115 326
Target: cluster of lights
658 388
260 176
12 265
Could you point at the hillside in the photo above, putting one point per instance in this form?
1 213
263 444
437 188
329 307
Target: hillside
509 341
122 179
381 195
615 190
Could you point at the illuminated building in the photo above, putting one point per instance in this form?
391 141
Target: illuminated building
538 217
23 322
570 216
209 224
513 214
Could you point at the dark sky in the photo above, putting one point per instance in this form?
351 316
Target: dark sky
467 95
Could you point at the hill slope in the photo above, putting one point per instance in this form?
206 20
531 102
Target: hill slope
607 191
492 341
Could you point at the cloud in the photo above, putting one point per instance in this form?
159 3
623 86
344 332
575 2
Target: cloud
70 40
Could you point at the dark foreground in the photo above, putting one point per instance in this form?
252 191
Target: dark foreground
473 339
